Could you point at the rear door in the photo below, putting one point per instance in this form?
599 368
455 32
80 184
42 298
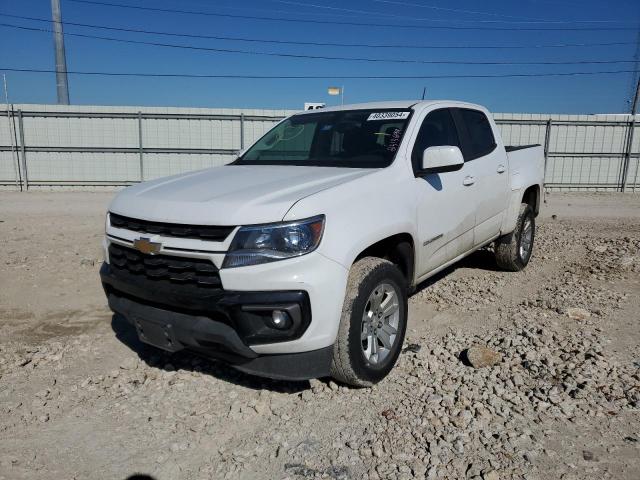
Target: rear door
486 167
445 209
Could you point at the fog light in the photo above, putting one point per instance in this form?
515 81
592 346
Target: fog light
280 319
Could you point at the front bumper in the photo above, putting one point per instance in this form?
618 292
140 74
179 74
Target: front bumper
246 312
176 331
220 324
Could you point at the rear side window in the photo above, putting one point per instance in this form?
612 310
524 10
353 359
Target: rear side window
438 129
478 136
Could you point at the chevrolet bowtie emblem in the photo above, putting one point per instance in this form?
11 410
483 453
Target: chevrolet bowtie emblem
146 246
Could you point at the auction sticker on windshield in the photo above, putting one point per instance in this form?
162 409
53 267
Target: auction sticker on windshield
388 116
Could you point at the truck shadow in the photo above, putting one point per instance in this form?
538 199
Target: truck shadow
187 361
480 259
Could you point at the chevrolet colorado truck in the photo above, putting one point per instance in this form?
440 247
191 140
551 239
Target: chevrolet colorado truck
295 261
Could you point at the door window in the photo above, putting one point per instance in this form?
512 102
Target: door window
438 129
476 132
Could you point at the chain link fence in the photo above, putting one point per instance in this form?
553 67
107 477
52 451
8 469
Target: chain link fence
81 146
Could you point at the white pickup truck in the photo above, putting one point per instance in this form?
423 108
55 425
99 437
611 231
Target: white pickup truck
296 260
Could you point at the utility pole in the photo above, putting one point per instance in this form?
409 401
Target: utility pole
636 67
632 127
634 105
62 85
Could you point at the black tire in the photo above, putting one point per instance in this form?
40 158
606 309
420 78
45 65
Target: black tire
509 255
350 364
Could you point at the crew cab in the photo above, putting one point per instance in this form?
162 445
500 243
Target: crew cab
296 260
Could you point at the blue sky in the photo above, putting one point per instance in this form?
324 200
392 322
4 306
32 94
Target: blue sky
578 94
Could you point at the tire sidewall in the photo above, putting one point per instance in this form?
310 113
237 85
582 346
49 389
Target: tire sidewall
527 213
383 273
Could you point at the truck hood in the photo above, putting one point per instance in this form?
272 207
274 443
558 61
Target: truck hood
229 195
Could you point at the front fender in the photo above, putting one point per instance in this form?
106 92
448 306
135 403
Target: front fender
360 213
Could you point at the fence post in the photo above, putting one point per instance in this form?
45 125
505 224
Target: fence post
14 150
242 131
632 127
627 154
547 137
23 150
140 149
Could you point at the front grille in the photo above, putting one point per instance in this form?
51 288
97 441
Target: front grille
164 268
200 232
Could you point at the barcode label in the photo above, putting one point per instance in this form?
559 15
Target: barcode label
388 116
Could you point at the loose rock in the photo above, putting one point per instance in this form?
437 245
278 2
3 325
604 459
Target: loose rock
480 357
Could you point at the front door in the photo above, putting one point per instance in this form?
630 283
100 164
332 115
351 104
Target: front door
445 210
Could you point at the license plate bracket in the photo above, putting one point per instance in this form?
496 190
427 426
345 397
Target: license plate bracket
158 334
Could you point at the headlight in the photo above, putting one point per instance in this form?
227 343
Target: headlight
258 244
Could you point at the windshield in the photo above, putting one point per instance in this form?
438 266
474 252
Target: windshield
350 138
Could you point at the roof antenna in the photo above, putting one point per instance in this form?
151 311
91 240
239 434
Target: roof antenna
424 91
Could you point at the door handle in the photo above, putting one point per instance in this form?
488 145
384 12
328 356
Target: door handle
468 180
500 169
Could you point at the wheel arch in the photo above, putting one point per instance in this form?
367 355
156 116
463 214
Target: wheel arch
531 196
398 249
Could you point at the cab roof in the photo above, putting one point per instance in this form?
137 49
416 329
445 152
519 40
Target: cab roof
400 104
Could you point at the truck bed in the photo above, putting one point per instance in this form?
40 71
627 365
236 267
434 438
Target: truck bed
526 165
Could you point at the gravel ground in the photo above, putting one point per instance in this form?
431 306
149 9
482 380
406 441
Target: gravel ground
530 375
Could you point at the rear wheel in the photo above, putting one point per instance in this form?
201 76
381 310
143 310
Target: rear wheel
513 250
373 323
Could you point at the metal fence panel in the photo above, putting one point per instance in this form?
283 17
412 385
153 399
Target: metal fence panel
8 163
585 152
78 168
8 174
583 173
97 145
158 165
79 132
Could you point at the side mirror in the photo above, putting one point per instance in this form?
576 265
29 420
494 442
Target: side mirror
442 159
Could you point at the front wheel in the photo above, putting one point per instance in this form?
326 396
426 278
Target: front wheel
373 323
513 250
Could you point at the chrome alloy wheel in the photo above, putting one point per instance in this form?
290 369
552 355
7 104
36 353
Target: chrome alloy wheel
526 239
380 323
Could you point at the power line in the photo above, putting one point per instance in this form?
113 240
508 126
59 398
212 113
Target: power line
323 57
317 77
444 9
285 12
406 17
322 44
475 12
332 12
332 22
